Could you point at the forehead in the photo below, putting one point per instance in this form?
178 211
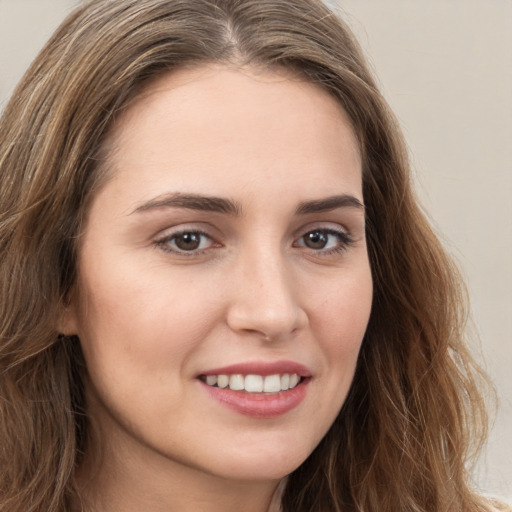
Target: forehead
213 124
217 79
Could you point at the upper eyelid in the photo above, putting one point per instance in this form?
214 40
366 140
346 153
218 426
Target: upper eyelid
322 225
206 227
186 227
329 230
191 228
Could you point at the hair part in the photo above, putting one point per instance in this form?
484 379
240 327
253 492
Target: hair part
414 414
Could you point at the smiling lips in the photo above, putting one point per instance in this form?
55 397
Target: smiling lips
254 383
262 390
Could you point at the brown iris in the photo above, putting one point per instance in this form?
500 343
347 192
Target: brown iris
188 241
316 240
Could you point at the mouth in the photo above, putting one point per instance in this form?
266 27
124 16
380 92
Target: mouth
254 383
260 390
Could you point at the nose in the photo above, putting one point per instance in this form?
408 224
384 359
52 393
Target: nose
265 298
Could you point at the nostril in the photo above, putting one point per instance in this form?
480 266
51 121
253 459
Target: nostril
269 309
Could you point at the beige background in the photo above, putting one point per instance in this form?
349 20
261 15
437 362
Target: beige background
446 68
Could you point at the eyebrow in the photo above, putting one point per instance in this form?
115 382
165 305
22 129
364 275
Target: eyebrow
192 202
328 204
227 206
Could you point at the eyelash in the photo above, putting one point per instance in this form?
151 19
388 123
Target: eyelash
344 242
164 243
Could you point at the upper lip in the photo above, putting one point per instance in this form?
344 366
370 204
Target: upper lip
261 368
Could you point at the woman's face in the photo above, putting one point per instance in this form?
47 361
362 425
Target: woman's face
223 262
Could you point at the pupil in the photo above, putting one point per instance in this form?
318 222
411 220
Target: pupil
316 240
188 241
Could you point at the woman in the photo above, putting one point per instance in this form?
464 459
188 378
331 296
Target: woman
218 291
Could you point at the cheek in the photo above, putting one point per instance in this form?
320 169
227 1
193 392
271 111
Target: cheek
141 321
343 309
139 336
339 320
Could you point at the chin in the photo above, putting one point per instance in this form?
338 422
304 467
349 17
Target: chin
262 463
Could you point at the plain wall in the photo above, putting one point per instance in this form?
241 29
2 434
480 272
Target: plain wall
445 66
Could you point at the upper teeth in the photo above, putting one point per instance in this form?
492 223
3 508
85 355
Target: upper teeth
254 383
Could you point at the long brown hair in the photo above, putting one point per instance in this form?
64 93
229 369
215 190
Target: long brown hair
414 415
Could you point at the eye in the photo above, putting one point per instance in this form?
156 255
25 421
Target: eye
186 241
325 240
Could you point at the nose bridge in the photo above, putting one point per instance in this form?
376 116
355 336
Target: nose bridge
265 298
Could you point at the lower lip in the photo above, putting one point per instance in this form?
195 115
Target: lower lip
259 405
